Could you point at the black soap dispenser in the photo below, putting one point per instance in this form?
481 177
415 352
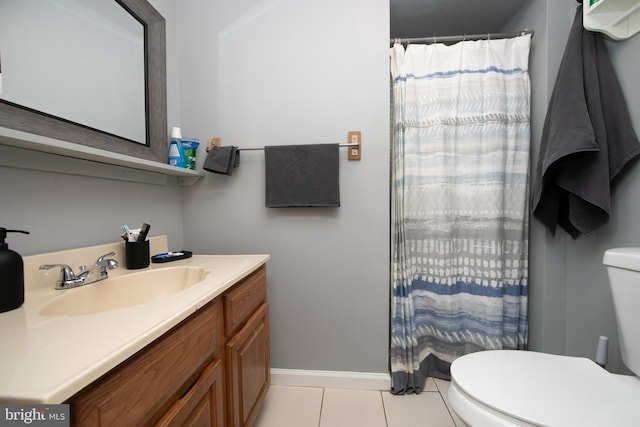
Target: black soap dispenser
11 274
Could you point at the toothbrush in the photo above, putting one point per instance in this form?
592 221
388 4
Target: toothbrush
125 230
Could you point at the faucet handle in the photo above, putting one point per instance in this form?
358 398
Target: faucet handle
105 264
67 278
101 260
66 273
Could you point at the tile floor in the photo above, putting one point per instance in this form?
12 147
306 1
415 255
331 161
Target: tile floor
287 406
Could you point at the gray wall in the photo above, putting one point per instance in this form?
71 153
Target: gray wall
288 72
590 308
66 211
570 297
275 72
546 254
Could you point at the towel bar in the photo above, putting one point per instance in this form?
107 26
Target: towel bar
350 144
354 136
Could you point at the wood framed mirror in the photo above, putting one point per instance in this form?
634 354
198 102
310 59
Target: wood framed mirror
154 146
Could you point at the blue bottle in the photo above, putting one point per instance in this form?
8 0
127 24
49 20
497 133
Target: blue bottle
176 153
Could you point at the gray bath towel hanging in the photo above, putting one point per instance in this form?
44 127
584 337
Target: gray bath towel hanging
302 176
587 138
222 160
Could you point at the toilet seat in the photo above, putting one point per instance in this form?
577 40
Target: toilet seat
523 388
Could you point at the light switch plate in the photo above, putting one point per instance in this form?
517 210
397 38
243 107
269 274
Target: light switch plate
353 137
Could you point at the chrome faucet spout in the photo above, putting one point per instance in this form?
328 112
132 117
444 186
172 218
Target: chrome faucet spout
96 272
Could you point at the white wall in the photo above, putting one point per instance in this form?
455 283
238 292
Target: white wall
288 72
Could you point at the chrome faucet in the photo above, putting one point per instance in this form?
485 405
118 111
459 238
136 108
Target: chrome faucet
98 271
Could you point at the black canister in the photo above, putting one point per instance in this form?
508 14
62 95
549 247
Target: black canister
137 254
11 274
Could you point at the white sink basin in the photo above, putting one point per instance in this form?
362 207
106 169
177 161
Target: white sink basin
124 291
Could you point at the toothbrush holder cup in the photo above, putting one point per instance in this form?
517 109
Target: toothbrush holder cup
137 255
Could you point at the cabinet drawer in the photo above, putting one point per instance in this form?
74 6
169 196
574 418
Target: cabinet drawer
243 299
138 391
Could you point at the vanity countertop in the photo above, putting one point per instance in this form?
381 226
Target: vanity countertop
47 359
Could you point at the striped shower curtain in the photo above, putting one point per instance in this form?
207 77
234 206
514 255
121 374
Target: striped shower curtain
460 206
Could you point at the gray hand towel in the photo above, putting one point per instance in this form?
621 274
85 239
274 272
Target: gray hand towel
587 138
222 160
302 176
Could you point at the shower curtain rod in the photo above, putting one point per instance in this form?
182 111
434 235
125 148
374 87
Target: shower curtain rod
436 39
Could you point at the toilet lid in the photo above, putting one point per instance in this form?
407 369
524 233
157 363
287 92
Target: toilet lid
548 390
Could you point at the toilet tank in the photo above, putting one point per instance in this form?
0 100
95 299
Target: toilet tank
623 268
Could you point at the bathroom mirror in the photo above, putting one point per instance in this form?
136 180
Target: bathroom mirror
120 73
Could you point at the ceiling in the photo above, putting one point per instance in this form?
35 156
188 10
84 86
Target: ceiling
424 18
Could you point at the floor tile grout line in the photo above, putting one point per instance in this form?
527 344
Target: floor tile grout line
321 407
384 409
447 408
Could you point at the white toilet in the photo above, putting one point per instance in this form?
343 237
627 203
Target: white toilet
524 388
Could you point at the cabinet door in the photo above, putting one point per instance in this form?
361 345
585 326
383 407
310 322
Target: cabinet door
247 363
202 405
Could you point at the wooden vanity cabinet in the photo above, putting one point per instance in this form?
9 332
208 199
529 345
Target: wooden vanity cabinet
178 377
247 348
212 369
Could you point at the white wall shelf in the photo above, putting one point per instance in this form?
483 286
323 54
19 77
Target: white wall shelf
618 19
29 151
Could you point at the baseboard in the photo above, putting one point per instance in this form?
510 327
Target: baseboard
331 379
